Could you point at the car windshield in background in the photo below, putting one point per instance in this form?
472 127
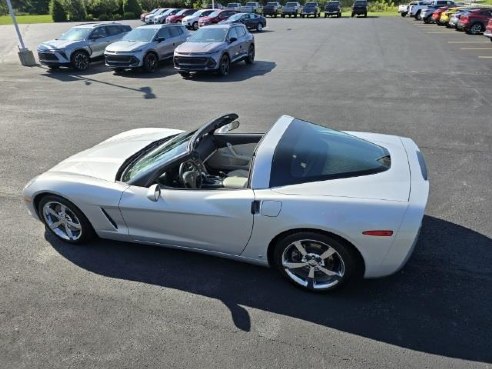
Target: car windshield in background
140 34
310 5
76 34
290 4
333 3
272 4
308 152
209 35
250 4
236 17
214 14
173 148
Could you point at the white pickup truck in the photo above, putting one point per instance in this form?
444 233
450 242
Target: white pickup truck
416 10
403 8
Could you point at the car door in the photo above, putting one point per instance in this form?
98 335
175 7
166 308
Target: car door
218 220
178 37
243 40
164 43
98 41
233 45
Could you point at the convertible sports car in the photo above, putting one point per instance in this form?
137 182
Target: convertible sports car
322 206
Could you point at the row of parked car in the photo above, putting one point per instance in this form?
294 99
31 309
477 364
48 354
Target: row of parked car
471 18
210 49
193 18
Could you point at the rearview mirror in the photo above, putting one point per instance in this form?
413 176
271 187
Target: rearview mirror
227 128
154 192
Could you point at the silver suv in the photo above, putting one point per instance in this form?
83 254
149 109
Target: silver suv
145 46
214 48
80 44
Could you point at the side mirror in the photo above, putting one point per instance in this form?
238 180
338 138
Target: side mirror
232 39
160 39
154 192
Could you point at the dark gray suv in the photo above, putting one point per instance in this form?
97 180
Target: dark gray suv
80 44
213 48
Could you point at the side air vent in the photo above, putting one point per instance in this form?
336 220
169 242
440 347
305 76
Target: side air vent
113 223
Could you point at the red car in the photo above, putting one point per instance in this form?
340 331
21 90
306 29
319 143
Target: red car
176 18
488 30
215 17
436 16
474 21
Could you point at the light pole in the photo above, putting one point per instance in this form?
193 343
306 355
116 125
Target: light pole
25 55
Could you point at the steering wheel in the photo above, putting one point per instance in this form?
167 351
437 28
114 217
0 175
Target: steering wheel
190 174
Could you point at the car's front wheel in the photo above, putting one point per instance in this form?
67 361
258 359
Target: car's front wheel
63 219
150 63
224 66
315 261
259 27
476 28
195 25
80 60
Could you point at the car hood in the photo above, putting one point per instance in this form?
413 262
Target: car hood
198 47
126 46
103 160
57 44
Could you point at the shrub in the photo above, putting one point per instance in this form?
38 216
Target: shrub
76 10
100 7
117 17
57 11
103 17
129 15
132 6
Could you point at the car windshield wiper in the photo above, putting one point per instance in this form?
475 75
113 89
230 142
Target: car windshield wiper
132 159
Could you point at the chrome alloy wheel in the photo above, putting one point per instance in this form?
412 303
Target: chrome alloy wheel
313 264
62 221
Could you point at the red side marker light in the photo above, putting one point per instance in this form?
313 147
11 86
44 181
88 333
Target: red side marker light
380 233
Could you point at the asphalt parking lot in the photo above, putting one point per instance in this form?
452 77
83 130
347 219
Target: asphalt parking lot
111 304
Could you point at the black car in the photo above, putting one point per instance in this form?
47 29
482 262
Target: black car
272 8
311 9
359 8
250 20
333 8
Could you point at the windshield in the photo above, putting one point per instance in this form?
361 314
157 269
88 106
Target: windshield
308 152
214 14
272 4
76 34
183 11
232 5
168 150
291 4
250 4
333 3
205 13
140 34
310 4
236 17
209 35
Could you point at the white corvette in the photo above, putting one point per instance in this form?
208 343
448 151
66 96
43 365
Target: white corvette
320 205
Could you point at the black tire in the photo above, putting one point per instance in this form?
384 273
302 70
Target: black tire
325 15
250 59
185 74
118 70
339 15
80 60
72 214
53 67
259 27
352 15
195 26
403 14
150 63
418 15
365 15
295 15
224 66
302 15
476 28
283 15
343 261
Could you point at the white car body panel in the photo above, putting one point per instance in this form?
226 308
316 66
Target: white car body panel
190 19
222 221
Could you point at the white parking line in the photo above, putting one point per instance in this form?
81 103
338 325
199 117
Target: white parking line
468 42
476 48
485 57
442 32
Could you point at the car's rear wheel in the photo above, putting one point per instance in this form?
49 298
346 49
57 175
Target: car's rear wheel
315 261
225 65
250 59
150 63
80 60
259 27
53 67
476 28
403 14
418 15
185 74
195 25
64 220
